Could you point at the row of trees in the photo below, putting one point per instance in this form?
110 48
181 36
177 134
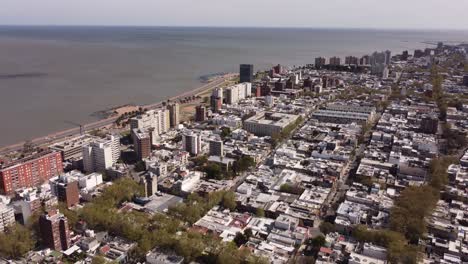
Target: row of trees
167 232
407 217
398 250
196 206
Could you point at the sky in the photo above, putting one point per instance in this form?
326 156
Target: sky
391 14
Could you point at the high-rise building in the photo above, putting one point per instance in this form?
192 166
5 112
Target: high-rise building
7 216
418 53
30 171
320 61
465 80
335 61
246 73
191 143
200 113
101 154
216 147
28 205
157 121
378 58
440 45
216 99
66 189
388 57
365 60
142 143
238 92
54 230
278 69
150 184
404 55
351 60
174 114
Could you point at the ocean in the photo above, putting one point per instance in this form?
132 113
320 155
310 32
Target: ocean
51 76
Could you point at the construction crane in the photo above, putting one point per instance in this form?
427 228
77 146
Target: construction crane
76 124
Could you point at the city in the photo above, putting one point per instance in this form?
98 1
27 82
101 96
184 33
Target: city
357 161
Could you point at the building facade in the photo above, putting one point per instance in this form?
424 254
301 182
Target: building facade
246 73
54 230
30 171
200 113
101 154
191 143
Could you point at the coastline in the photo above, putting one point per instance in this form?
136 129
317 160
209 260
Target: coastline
63 134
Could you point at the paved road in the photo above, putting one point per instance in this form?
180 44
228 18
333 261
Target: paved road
54 137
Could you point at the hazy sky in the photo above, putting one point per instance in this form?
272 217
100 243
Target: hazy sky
449 14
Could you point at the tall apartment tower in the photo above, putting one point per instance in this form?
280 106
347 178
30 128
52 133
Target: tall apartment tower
319 62
174 114
388 57
191 143
217 100
54 230
246 73
66 189
200 113
157 121
142 143
101 154
216 148
351 60
335 61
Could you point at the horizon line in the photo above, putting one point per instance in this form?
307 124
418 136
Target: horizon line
232 27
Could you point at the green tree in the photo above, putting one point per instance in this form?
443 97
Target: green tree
260 212
292 189
15 242
229 200
213 171
98 259
327 227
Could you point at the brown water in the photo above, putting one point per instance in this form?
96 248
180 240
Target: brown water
51 75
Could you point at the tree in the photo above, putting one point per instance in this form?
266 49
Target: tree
225 132
317 242
140 166
240 239
259 212
229 201
292 189
15 242
327 227
243 164
213 171
98 259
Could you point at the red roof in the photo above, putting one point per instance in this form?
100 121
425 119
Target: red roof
326 250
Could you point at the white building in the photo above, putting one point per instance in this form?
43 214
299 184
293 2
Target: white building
268 124
191 142
90 181
157 121
238 92
101 154
7 216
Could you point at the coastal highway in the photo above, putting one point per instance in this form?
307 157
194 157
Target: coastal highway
57 136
